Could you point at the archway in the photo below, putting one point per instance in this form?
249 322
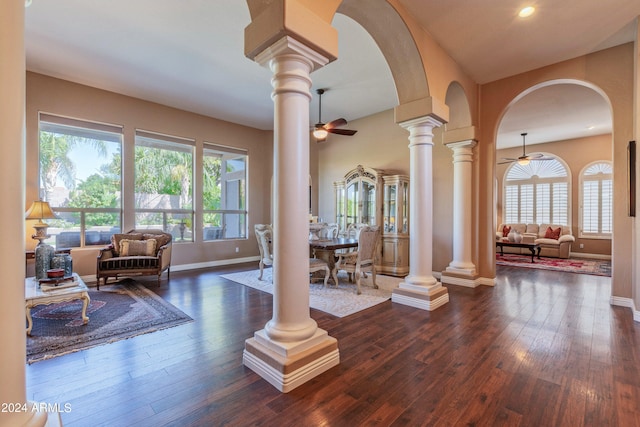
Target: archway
570 119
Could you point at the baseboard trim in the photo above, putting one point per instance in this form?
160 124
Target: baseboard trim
589 256
194 266
626 302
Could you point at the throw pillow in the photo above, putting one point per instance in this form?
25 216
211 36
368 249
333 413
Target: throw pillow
161 239
553 234
138 247
505 231
116 238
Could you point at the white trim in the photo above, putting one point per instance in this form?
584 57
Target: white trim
590 256
626 302
459 281
487 281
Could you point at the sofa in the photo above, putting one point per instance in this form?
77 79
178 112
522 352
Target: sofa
555 240
135 253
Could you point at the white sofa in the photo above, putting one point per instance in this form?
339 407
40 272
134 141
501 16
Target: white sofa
535 233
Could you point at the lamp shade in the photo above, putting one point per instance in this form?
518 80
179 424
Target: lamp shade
40 210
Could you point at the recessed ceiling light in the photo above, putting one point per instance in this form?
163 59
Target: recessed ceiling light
525 12
591 127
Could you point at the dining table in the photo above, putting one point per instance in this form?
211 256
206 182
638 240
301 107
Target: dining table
325 249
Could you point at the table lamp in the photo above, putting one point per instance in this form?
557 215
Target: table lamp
40 210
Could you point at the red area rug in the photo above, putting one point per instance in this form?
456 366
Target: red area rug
595 267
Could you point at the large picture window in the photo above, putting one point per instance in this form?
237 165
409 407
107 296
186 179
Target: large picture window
164 184
224 192
80 168
596 200
537 193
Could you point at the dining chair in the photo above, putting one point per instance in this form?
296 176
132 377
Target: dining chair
264 234
330 231
362 260
316 264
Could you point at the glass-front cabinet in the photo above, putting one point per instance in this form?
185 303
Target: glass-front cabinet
357 199
395 230
368 196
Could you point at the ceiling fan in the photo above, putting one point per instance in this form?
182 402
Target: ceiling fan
525 158
321 130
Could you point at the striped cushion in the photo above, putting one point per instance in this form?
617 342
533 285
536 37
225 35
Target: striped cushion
128 263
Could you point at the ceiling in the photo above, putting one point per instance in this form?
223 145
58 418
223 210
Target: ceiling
189 55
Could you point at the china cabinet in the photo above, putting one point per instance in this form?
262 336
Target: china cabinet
368 196
395 231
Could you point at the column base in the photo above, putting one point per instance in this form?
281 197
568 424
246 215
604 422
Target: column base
288 365
425 299
460 277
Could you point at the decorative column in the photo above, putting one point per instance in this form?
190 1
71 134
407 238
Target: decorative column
13 389
291 349
461 270
420 289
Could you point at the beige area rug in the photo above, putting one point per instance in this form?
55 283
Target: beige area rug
341 301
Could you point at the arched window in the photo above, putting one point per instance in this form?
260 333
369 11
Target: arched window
537 193
596 200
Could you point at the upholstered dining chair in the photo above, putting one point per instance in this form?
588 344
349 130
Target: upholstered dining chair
264 234
316 264
330 231
362 260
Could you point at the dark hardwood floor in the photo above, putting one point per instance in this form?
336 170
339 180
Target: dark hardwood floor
540 348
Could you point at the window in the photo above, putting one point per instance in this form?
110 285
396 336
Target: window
596 199
537 193
164 184
224 192
80 176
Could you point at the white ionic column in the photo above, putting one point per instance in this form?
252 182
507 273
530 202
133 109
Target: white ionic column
462 264
420 289
291 349
18 412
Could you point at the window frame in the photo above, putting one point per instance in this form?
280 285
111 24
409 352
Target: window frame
150 139
48 122
241 176
597 235
533 184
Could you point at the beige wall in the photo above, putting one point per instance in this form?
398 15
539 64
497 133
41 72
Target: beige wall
611 72
61 97
382 144
576 153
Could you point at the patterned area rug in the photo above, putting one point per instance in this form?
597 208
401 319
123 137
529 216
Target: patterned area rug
341 301
572 265
116 312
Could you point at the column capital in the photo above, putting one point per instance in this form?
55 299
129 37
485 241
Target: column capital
457 146
287 45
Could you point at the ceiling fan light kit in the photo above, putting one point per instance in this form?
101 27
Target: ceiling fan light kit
322 130
525 159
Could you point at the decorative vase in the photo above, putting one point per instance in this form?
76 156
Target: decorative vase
44 254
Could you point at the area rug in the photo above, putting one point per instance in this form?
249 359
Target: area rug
595 267
339 301
116 312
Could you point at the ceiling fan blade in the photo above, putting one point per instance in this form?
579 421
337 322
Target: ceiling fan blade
348 132
506 162
335 123
534 156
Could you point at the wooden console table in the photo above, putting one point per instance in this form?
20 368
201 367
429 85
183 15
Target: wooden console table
533 247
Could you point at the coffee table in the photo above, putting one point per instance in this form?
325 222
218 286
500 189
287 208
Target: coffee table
533 247
34 295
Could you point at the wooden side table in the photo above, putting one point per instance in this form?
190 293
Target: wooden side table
34 296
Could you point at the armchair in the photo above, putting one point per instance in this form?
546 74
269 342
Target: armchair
363 259
264 234
135 253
